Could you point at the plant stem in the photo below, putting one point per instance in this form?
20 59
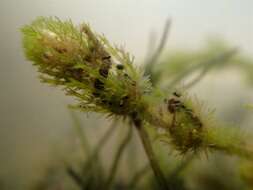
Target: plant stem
117 159
176 172
81 133
94 157
138 176
151 156
207 64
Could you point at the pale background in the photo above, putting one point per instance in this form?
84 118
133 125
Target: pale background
33 116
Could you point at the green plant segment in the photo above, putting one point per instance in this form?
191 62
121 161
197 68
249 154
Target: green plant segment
104 79
85 64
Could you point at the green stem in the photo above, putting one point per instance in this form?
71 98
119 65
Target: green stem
151 156
138 176
176 172
80 132
94 157
117 159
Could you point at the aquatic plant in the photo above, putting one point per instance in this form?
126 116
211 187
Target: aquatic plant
104 79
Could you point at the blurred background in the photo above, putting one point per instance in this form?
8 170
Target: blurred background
35 124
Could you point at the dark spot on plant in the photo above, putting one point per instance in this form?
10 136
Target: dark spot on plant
120 66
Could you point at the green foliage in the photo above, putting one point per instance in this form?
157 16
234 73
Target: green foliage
86 65
177 65
104 79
